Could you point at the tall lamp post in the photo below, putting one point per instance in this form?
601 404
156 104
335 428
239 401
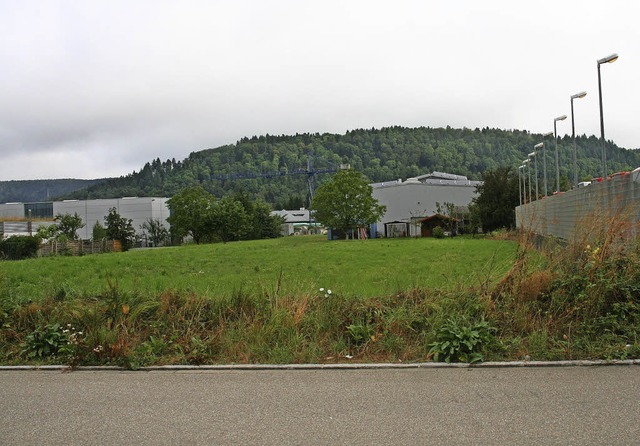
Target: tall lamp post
608 59
555 136
526 164
573 135
535 162
544 161
537 148
520 175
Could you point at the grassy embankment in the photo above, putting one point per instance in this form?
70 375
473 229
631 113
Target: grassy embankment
258 302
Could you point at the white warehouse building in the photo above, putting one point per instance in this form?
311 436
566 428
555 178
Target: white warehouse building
412 201
139 210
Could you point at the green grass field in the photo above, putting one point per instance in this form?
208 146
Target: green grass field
299 265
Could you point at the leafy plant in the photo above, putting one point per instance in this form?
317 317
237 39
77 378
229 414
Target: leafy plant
360 333
464 343
45 342
438 232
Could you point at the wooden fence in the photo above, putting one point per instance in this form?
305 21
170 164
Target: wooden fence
79 247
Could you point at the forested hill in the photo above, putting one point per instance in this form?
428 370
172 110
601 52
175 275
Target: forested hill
381 154
40 190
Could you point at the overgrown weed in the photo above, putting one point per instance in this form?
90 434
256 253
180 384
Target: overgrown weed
580 302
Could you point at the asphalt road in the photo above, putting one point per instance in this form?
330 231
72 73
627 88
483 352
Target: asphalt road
537 406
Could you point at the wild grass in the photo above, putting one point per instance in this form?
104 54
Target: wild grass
581 301
391 300
295 265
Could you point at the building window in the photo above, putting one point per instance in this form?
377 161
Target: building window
38 210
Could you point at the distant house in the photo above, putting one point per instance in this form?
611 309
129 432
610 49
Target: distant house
412 201
298 222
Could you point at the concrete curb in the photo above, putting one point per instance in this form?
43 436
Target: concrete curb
339 366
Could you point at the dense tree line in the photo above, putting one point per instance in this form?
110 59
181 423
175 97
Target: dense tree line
196 213
380 154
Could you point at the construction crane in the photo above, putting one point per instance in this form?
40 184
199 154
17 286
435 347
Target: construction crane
310 172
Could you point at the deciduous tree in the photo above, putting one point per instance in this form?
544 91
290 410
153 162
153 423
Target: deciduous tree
120 228
155 230
497 198
191 208
69 224
346 202
228 221
98 232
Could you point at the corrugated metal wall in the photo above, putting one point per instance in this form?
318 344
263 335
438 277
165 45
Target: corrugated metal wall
585 210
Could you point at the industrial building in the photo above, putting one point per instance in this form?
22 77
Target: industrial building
412 209
21 218
412 204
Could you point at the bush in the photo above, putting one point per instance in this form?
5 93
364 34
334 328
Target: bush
438 232
19 247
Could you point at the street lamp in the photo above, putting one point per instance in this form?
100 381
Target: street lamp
555 135
608 59
544 161
535 162
537 148
573 135
525 163
520 183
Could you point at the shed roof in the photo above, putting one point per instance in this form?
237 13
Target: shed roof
438 217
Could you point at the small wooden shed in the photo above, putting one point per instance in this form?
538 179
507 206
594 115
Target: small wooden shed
429 223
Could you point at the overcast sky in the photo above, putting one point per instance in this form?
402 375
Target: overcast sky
92 89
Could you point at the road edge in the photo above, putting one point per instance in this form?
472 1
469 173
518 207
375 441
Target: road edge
337 366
